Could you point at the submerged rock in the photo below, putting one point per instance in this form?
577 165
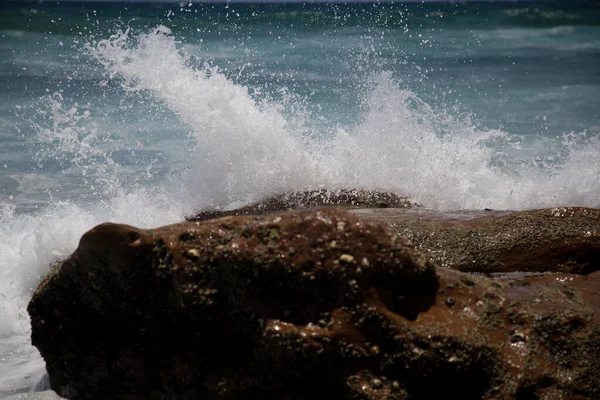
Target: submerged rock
304 305
556 239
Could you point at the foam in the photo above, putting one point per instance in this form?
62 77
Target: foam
30 243
246 150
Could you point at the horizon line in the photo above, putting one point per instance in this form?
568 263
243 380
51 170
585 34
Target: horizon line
194 2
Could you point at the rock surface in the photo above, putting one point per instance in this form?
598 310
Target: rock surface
347 198
558 239
554 239
304 305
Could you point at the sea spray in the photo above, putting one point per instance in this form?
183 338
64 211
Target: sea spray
246 150
242 151
32 242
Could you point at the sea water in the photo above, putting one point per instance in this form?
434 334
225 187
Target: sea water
143 113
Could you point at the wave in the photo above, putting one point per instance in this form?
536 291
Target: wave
246 149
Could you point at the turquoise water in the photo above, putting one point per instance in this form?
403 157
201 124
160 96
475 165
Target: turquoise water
142 113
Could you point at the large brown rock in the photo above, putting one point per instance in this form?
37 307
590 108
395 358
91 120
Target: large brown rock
304 305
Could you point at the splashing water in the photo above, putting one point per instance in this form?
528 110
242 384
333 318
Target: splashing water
30 244
245 149
242 150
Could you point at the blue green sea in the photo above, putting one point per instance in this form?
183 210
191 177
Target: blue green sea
142 113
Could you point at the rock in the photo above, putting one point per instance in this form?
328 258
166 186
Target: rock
299 305
555 239
347 198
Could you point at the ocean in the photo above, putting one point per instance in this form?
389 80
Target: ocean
143 113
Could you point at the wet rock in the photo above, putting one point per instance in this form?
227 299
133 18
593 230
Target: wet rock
348 198
290 306
555 239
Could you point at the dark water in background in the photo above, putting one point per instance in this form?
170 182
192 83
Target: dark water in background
139 113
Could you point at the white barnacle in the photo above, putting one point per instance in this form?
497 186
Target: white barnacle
346 258
194 253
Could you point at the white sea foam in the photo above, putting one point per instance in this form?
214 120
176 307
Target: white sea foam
30 244
242 149
245 150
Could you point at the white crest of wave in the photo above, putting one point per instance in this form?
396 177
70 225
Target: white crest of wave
448 164
246 150
242 149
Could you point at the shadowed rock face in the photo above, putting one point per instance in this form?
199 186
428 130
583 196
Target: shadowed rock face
304 305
